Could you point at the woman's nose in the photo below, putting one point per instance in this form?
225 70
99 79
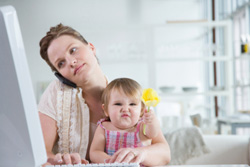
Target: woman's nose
72 61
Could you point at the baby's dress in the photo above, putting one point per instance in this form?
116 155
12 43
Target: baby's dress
116 140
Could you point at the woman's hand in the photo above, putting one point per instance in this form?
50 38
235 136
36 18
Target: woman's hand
73 158
49 127
127 155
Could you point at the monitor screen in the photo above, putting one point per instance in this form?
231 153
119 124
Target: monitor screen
21 139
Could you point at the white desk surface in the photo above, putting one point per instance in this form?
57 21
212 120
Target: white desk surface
240 165
235 165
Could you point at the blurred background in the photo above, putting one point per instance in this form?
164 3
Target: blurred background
195 53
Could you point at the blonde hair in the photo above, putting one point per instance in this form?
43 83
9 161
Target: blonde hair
130 87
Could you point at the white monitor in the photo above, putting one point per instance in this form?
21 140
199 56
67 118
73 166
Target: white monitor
21 139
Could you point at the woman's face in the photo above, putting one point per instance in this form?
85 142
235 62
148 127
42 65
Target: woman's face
123 111
72 58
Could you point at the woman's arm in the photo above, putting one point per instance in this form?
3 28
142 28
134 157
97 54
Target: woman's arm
97 149
47 107
156 154
50 136
49 129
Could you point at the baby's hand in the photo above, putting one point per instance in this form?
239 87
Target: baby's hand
149 117
151 124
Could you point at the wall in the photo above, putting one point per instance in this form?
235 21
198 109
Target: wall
118 29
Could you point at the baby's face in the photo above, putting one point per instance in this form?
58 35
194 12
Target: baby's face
124 112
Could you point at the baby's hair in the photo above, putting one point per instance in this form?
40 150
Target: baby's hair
129 86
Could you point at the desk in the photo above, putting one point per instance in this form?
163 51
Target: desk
234 123
98 165
241 165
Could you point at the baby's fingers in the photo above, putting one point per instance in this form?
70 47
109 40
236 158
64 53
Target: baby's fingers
148 119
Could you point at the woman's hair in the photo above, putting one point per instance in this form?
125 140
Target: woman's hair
54 33
130 87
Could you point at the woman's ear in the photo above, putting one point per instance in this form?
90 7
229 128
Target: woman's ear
105 112
92 47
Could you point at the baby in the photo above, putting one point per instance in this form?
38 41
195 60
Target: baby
123 127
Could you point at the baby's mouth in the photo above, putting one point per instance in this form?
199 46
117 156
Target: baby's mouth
125 115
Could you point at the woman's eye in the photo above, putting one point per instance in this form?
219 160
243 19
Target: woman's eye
60 64
72 50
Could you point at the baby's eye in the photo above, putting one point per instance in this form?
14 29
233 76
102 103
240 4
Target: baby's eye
118 104
60 64
72 50
133 104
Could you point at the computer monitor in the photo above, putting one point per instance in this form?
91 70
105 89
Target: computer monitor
21 139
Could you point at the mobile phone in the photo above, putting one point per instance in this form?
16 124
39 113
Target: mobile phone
64 80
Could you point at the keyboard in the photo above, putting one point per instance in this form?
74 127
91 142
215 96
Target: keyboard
100 165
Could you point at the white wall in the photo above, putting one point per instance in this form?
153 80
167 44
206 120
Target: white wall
105 24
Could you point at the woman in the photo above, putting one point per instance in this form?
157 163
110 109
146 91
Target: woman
69 115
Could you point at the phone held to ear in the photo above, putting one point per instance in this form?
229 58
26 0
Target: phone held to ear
64 80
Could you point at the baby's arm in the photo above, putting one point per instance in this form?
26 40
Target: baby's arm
97 153
152 124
